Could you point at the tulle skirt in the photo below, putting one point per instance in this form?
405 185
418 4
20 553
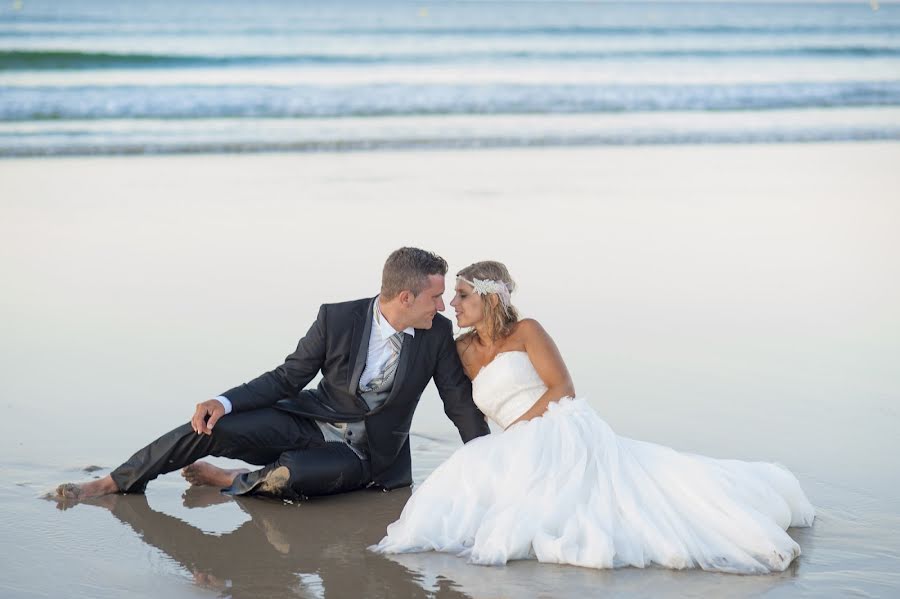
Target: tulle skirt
564 488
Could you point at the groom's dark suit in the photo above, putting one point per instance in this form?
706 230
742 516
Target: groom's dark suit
335 345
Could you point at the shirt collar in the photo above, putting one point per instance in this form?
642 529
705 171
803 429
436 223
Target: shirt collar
384 326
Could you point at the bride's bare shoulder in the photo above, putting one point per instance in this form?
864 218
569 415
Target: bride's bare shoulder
530 335
465 351
463 342
528 328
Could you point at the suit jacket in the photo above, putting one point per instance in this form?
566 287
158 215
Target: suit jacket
337 345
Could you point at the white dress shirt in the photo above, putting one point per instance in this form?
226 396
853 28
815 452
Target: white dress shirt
379 345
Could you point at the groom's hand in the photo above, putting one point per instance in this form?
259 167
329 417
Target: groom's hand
206 415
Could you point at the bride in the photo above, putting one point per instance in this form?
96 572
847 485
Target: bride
560 486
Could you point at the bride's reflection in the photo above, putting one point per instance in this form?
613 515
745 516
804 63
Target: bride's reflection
314 549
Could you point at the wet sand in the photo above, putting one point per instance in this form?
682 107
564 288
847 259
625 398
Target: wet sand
735 301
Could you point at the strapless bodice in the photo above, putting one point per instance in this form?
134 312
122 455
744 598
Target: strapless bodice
507 386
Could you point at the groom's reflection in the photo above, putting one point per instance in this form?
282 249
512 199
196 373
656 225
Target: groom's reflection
314 549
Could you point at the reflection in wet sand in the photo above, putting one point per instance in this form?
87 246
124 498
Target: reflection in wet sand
523 579
313 549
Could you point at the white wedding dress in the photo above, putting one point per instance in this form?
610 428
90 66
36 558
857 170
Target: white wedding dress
564 488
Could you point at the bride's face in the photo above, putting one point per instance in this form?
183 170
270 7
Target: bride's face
468 305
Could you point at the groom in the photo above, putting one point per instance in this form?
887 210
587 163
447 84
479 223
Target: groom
376 356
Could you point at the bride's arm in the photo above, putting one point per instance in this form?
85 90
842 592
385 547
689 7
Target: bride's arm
549 364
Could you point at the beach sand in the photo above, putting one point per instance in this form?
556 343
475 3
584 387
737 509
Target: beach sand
735 301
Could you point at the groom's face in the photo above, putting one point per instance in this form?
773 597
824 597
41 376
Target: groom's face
429 302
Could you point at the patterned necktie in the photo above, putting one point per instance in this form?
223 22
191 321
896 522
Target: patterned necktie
390 367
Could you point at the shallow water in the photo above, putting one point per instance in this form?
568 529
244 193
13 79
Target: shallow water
104 77
733 301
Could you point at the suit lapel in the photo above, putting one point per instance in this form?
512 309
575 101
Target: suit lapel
359 344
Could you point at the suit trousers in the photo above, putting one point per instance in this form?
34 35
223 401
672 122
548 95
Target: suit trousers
297 461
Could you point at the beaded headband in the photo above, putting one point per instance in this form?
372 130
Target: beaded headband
485 286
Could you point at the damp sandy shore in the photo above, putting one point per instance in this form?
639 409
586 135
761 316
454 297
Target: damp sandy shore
735 301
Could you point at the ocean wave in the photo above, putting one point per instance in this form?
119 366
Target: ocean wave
182 102
35 60
112 28
30 60
17 150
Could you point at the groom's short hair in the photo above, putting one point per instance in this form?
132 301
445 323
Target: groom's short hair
409 268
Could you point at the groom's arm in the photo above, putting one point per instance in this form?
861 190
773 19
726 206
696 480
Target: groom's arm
287 380
455 389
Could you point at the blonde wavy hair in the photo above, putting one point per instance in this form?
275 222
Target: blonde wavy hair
499 319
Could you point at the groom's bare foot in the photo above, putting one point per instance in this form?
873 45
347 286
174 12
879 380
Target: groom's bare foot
204 473
80 491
